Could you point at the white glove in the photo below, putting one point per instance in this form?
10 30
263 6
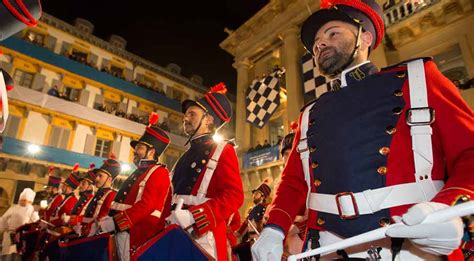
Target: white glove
65 218
435 238
269 245
78 229
183 218
106 224
94 229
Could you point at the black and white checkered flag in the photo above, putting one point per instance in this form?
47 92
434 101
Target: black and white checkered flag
314 83
263 98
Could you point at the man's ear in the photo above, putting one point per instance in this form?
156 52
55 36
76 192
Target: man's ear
209 119
151 152
366 39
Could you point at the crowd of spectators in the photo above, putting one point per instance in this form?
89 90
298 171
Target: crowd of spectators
54 91
265 145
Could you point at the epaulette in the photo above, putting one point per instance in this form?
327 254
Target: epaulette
404 63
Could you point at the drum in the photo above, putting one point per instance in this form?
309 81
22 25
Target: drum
100 248
243 251
28 238
171 244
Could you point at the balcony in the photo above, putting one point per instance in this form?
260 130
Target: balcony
404 9
82 112
49 154
86 71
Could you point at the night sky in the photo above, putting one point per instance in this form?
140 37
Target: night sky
187 33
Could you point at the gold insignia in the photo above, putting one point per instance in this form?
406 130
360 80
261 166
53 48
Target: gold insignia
357 74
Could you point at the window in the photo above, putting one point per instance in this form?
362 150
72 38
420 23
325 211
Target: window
103 148
116 71
35 37
23 78
12 127
79 56
71 93
59 137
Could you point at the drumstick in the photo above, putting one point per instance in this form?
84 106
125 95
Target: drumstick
460 210
179 205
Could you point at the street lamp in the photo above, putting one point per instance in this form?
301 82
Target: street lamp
33 149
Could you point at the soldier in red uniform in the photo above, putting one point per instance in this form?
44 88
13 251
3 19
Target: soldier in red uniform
55 197
70 199
99 206
140 206
207 176
86 193
373 148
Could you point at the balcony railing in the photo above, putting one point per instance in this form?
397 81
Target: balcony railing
82 112
405 9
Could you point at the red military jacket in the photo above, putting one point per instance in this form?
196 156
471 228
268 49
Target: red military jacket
143 217
452 143
225 192
57 199
65 207
81 204
97 208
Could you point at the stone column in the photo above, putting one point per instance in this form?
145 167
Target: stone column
242 128
292 64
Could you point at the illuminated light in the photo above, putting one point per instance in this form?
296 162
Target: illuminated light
43 203
217 137
33 148
125 167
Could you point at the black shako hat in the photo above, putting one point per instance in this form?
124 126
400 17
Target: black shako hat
111 166
73 178
154 137
215 103
366 13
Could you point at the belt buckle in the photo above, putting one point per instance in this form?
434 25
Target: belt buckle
411 122
303 149
354 204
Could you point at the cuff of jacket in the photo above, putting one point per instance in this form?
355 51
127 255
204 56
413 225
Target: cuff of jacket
281 218
450 195
122 221
204 218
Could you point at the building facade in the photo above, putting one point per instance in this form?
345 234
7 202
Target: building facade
414 28
78 98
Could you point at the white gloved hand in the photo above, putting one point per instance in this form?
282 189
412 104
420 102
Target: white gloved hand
183 218
106 224
94 229
269 245
65 218
78 229
435 238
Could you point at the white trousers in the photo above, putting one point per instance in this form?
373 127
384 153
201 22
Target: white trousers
408 252
208 243
122 242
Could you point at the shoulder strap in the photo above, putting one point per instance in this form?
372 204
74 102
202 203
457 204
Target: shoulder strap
101 201
210 167
303 150
143 182
420 117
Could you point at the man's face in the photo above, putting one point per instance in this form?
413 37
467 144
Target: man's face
24 202
49 190
140 152
66 188
257 197
84 185
333 46
191 119
101 179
